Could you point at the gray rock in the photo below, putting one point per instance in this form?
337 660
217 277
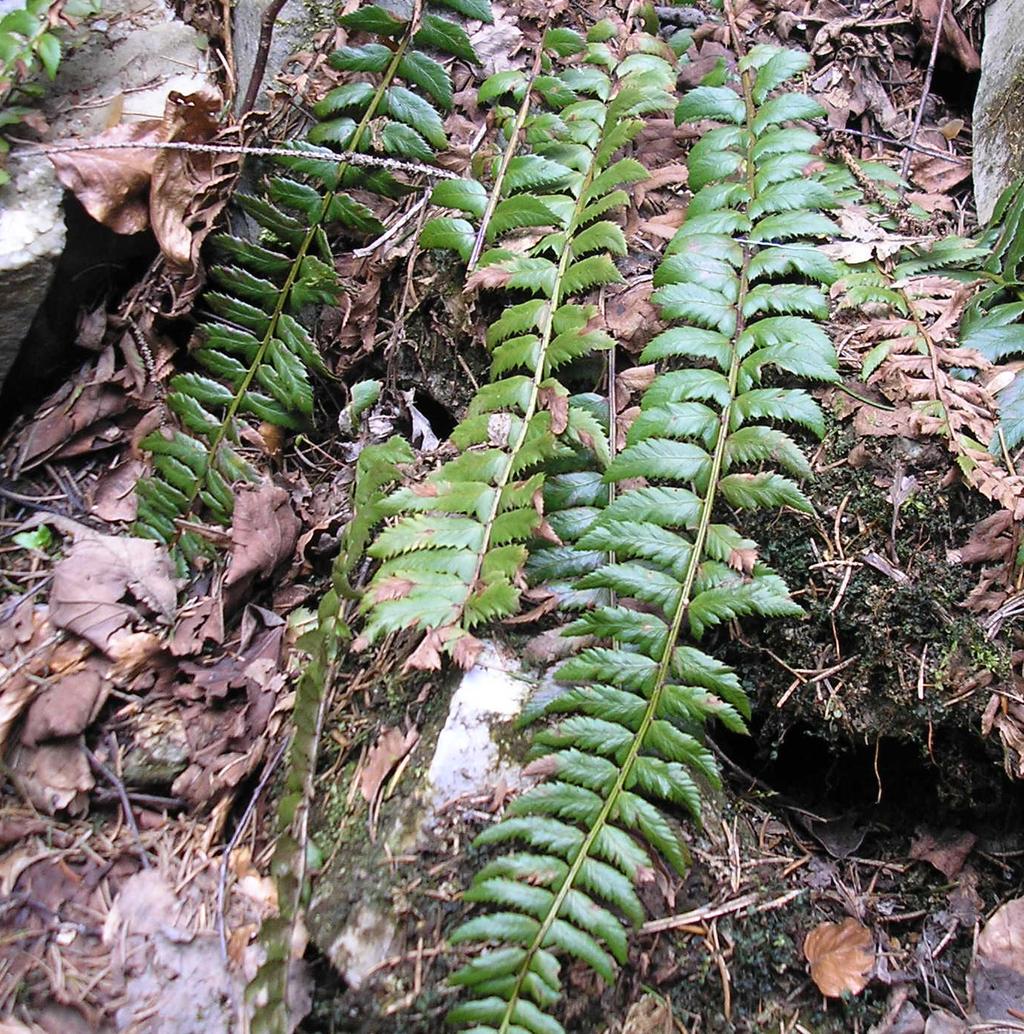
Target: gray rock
294 28
999 106
31 241
467 751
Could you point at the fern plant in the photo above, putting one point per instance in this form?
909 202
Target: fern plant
257 357
454 557
623 751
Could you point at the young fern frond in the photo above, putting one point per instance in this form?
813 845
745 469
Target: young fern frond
256 357
742 289
538 97
454 557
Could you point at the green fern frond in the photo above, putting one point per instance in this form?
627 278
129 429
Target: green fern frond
455 556
256 358
622 755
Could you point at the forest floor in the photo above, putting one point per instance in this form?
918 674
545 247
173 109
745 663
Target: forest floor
883 777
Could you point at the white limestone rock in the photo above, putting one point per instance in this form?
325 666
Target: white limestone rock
31 241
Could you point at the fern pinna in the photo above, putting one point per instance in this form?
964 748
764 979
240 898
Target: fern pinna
256 356
455 555
623 748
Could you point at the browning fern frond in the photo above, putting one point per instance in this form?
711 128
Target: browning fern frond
941 317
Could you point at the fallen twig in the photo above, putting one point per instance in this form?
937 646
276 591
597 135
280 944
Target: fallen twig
259 65
925 90
122 794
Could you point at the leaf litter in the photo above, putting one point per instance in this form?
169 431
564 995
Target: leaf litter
108 647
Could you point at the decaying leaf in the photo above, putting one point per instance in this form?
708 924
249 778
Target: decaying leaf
264 531
841 957
90 585
178 176
946 850
111 184
997 970
392 745
68 704
54 776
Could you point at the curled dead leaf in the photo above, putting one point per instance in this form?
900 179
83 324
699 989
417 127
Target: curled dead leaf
841 957
112 183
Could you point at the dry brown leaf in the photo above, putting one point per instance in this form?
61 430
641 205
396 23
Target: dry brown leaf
946 850
632 381
664 225
54 776
391 746
466 650
179 176
67 705
111 184
113 495
392 588
630 317
486 276
997 970
841 957
936 175
90 585
264 532
73 420
991 539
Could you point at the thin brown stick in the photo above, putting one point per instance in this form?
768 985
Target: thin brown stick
122 794
907 145
926 90
259 65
